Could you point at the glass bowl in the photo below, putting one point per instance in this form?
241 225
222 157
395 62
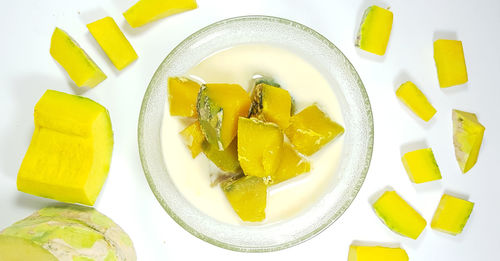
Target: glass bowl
356 152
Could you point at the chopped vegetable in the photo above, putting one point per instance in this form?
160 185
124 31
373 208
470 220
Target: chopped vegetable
376 253
226 160
145 11
451 215
248 197
410 95
182 96
291 165
193 138
375 30
421 166
467 138
271 104
450 62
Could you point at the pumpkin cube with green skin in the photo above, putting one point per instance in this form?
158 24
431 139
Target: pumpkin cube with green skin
291 165
375 30
398 216
146 11
193 138
259 147
376 253
310 129
271 104
451 215
182 96
226 160
412 97
450 62
468 135
421 166
247 196
219 107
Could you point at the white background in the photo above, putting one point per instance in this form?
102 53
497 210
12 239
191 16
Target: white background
27 70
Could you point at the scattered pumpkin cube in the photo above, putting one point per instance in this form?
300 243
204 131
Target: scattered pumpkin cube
451 215
79 66
272 104
291 165
421 166
376 253
259 147
450 62
310 129
182 96
410 95
145 11
111 39
375 30
219 107
247 196
398 215
226 160
70 152
193 138
468 135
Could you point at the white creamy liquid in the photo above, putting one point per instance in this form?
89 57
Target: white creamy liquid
238 65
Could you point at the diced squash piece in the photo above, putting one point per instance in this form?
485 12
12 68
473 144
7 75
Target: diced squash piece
375 30
70 152
468 135
450 62
310 129
219 107
114 43
247 196
410 95
226 160
398 215
272 104
291 165
182 96
259 147
79 66
376 253
451 215
193 138
145 11
421 166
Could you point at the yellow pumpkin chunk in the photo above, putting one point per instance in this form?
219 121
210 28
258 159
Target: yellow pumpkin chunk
248 197
421 166
226 160
291 165
451 215
376 253
70 152
219 107
468 135
412 97
111 39
79 66
259 147
145 11
272 104
375 30
182 95
193 138
398 216
450 62
311 129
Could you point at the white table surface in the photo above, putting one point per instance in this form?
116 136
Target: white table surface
27 70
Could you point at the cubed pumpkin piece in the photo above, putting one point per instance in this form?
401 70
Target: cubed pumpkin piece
145 11
421 166
410 95
451 215
79 66
375 30
247 196
70 152
376 253
259 147
467 138
193 138
182 96
111 39
271 104
291 165
398 215
226 160
450 62
219 107
310 129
